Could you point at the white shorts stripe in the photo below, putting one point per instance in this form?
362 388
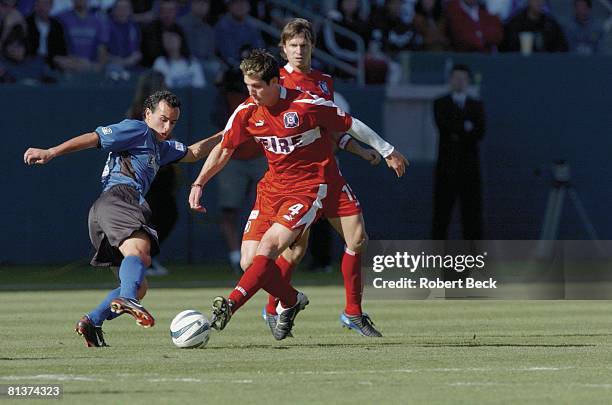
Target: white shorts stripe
311 214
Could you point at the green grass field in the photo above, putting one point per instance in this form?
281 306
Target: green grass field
433 352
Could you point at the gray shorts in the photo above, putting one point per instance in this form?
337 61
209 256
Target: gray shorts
113 218
237 178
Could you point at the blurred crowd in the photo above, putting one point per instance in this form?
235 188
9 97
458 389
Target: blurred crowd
193 42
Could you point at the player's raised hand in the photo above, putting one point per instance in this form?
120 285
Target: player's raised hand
397 162
34 156
194 198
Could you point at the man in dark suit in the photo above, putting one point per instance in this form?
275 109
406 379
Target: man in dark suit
45 36
461 124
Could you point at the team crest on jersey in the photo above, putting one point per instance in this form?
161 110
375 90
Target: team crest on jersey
324 88
291 119
152 161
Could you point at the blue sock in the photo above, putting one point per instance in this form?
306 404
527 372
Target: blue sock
102 311
131 274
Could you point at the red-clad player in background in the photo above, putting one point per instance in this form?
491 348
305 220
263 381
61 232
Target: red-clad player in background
296 42
302 183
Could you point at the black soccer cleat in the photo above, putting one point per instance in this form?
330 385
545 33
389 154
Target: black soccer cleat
93 335
271 320
221 312
131 306
286 317
361 324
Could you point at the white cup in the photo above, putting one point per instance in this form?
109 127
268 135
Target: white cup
526 38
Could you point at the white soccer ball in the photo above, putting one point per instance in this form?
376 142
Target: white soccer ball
190 329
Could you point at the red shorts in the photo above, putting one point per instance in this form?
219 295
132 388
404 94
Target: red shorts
340 201
299 209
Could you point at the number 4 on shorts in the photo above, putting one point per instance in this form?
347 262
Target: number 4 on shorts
293 210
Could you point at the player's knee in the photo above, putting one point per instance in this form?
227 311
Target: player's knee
294 255
245 262
268 247
141 252
358 242
145 258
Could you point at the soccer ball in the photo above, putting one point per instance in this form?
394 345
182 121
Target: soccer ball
190 329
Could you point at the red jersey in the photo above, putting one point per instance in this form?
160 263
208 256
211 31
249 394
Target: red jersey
315 82
295 134
248 150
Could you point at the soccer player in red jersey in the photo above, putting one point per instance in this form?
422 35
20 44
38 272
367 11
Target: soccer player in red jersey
295 130
297 39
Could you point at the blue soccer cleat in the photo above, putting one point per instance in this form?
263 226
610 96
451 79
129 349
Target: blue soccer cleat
361 324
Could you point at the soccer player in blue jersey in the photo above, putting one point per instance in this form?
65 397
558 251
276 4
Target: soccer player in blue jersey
119 226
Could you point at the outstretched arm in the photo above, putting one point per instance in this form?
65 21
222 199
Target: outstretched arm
216 160
201 149
395 160
42 156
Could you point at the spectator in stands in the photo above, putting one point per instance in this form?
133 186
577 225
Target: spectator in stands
10 19
176 64
152 45
461 125
143 12
548 36
102 8
17 66
506 9
430 23
348 15
25 7
233 32
583 33
45 36
201 37
499 8
123 37
392 33
85 36
472 28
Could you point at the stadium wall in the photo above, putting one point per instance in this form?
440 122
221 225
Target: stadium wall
538 109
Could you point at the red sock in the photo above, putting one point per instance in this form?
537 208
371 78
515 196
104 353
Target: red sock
351 272
286 269
263 273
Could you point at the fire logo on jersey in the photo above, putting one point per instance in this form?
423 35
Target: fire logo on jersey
286 145
291 119
324 88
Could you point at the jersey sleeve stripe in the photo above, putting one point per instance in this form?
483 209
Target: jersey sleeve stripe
317 101
231 119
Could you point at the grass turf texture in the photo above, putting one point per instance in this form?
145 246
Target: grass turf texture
433 351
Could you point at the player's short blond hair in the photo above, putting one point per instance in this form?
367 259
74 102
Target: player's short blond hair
294 28
260 63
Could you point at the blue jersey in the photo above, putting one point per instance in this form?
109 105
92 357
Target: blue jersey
135 154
